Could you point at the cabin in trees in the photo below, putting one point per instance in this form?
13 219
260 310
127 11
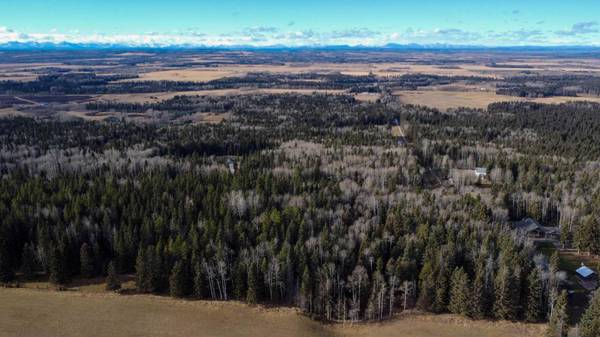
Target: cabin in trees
587 277
480 172
231 165
534 230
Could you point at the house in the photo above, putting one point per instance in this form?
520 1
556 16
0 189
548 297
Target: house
480 172
534 230
587 277
231 165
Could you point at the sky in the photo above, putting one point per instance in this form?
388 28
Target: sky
302 22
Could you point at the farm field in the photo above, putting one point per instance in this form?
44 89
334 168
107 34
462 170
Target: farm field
27 312
444 100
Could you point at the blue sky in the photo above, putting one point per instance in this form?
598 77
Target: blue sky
308 22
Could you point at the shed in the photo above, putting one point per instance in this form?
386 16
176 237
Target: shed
585 272
480 172
587 277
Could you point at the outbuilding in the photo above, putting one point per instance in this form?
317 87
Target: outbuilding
587 277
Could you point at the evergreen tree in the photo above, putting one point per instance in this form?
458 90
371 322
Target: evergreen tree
239 281
251 292
198 281
86 261
534 308
28 262
426 287
142 273
460 300
504 306
178 281
7 273
557 326
112 279
306 290
589 325
58 272
554 262
480 296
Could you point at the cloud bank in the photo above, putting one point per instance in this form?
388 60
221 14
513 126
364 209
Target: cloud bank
582 33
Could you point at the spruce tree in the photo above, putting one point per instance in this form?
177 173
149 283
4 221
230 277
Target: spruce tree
28 263
178 281
426 287
142 272
504 306
306 290
534 306
460 300
239 280
251 292
86 262
198 281
58 272
480 297
112 279
557 326
554 262
589 325
7 273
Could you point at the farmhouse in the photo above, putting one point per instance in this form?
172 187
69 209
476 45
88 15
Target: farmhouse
480 172
587 277
534 230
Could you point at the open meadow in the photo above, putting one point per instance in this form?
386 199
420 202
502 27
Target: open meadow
28 312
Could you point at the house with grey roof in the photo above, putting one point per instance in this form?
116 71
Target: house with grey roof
532 229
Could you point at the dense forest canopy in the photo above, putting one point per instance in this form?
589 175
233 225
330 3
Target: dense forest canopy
305 200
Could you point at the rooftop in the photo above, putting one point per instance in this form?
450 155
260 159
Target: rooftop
585 271
480 170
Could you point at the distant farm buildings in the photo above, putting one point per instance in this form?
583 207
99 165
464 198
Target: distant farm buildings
480 172
587 277
533 230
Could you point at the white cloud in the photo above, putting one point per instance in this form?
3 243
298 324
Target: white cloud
580 28
581 33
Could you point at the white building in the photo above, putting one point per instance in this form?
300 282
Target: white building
480 172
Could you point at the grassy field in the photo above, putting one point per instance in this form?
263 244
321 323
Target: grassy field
444 100
30 312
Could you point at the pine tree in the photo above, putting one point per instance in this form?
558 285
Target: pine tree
142 280
251 292
112 279
554 262
306 290
504 306
480 296
87 264
426 287
534 309
557 326
28 262
58 273
589 325
198 281
178 281
7 273
442 284
460 300
239 281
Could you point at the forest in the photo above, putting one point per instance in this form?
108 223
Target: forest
308 201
